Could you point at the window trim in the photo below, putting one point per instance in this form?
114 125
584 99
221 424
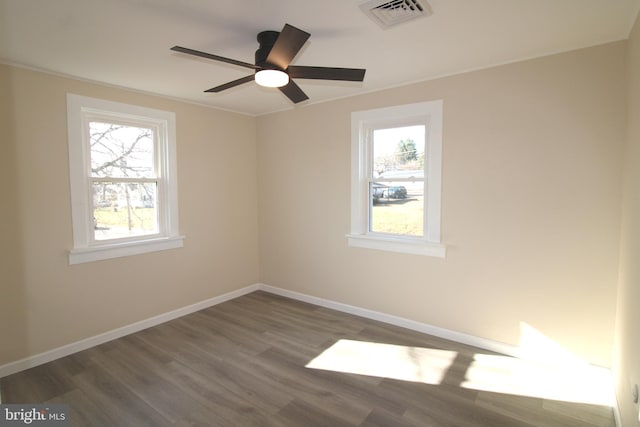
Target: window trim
85 248
362 125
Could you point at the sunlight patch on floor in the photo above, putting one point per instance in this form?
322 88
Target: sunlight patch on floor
545 369
417 364
576 382
580 383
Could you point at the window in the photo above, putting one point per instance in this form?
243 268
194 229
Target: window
122 161
396 163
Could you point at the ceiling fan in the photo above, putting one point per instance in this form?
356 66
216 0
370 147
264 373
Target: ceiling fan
272 69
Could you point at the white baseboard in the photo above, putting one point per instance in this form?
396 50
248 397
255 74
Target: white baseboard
425 328
65 350
616 410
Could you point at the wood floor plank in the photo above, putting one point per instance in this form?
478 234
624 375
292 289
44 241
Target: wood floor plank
244 363
123 406
525 409
38 384
302 413
579 414
306 386
83 411
381 418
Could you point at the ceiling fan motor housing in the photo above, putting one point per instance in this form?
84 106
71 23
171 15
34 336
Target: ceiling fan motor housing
266 39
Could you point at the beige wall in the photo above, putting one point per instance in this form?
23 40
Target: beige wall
45 302
13 309
626 363
531 209
531 204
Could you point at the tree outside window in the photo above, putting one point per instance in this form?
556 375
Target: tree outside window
124 180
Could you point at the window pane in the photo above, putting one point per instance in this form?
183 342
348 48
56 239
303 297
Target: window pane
397 207
124 210
121 151
398 152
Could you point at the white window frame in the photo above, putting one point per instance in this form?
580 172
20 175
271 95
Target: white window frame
363 123
82 109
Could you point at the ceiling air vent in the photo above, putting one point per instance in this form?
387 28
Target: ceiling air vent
388 13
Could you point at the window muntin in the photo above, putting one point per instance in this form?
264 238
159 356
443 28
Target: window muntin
123 179
379 221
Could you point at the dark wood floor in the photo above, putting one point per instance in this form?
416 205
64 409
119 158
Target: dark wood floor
243 363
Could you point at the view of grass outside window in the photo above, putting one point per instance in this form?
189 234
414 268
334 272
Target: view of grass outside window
124 180
397 184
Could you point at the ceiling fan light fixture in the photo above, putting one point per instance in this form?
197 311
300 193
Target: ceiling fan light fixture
272 78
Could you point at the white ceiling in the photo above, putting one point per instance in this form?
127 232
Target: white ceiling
126 42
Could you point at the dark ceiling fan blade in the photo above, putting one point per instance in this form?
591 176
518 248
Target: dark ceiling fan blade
231 84
214 57
287 46
293 92
326 73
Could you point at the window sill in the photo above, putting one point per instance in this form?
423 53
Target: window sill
97 253
394 244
